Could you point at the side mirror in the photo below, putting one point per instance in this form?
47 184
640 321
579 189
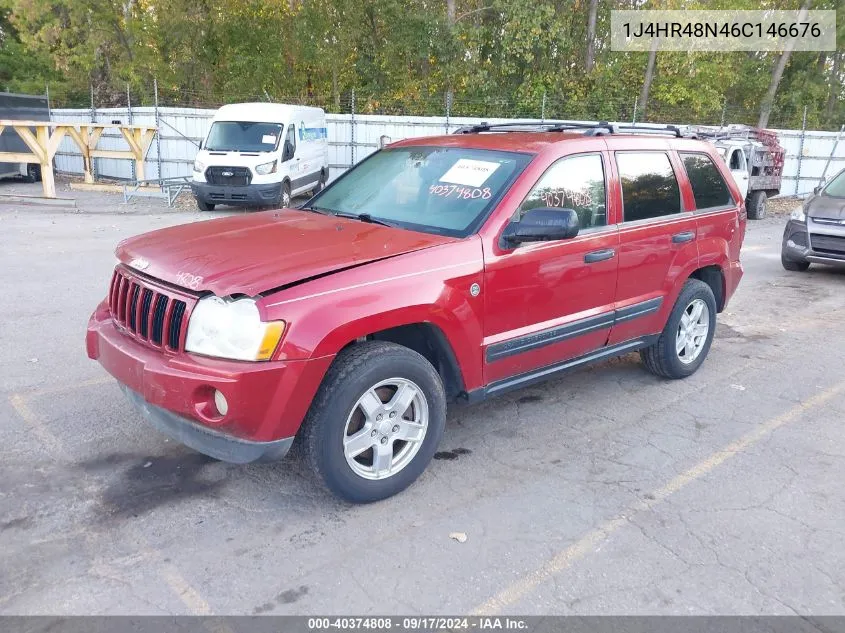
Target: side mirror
819 187
541 225
383 141
287 152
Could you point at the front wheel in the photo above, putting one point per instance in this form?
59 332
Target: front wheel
204 206
375 422
284 195
685 341
788 264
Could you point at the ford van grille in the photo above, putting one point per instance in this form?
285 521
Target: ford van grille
148 312
230 176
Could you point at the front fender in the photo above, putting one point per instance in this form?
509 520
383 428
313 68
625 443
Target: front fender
427 286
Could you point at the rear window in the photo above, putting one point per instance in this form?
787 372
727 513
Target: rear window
243 136
649 186
443 190
708 186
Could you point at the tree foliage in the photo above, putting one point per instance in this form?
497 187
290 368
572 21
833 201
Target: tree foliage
495 57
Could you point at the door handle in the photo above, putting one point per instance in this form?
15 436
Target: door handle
686 236
599 256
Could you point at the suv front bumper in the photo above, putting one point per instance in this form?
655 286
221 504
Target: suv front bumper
267 401
822 244
245 195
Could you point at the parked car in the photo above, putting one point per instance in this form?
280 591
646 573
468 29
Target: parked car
17 107
261 154
815 232
446 268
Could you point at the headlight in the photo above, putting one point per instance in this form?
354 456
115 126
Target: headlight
198 166
232 328
266 168
798 215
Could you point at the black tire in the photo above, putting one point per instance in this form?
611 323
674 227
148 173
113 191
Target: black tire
33 172
661 358
204 206
354 371
757 205
793 266
284 195
321 184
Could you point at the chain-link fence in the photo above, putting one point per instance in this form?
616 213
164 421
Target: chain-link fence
457 104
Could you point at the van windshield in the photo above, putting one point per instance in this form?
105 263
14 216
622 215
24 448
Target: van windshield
243 136
443 190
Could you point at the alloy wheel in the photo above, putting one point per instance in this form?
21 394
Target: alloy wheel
385 429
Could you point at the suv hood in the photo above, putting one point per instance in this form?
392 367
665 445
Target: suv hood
826 207
252 253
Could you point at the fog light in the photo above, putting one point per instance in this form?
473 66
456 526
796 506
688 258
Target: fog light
220 402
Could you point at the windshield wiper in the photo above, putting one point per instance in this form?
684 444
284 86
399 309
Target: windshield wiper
319 210
364 217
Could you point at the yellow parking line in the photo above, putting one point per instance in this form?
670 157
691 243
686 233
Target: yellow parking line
189 596
586 545
47 438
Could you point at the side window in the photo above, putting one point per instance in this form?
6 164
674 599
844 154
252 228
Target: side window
649 186
290 143
708 186
736 160
577 183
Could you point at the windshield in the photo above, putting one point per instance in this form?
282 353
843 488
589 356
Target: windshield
243 136
836 187
443 190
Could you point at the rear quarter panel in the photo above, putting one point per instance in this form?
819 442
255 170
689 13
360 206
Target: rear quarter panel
720 231
427 286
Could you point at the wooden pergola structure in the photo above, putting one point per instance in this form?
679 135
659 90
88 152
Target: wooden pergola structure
44 142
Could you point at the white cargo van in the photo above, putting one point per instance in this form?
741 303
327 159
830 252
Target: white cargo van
261 154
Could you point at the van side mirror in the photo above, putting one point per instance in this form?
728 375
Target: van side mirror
287 152
819 187
541 225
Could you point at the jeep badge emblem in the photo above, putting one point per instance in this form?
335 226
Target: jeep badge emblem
475 290
139 263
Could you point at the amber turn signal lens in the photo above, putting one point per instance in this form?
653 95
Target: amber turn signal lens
272 335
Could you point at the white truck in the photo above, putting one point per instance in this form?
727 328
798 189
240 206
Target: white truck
755 158
262 155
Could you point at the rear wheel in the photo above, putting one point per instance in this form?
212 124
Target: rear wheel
788 264
33 172
757 205
685 341
320 184
376 421
204 206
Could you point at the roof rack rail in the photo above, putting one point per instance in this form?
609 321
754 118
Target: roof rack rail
633 128
597 128
535 126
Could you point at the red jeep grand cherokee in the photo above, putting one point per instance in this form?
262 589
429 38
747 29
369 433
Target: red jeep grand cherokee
454 267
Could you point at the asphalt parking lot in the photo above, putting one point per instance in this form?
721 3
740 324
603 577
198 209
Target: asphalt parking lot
606 492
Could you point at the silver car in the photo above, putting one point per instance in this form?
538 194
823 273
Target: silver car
815 233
